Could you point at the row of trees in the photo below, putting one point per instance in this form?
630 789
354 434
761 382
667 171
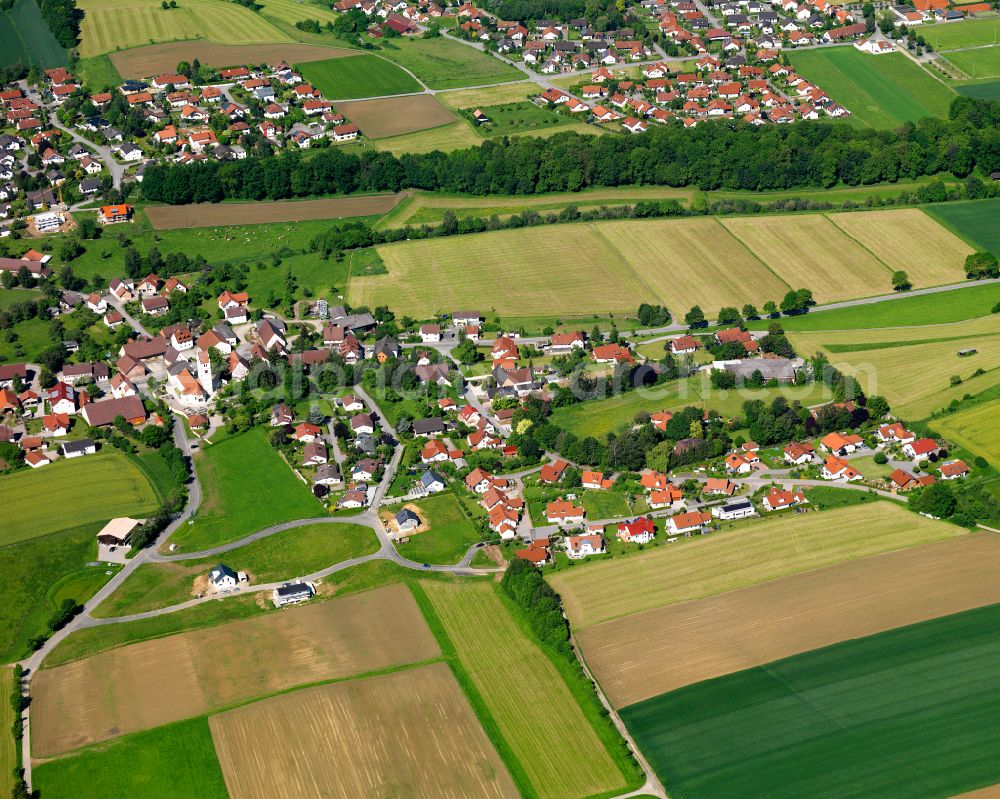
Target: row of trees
63 19
711 156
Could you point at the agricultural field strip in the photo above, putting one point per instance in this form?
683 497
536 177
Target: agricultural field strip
975 428
649 653
174 217
410 733
397 116
155 682
755 553
153 59
491 647
8 750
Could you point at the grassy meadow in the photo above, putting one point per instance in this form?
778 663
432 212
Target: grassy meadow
858 719
882 92
450 535
357 76
971 33
8 749
453 136
978 63
973 220
446 64
231 507
975 429
27 39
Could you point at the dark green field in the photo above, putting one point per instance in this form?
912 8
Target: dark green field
909 713
173 761
981 91
976 221
357 76
27 39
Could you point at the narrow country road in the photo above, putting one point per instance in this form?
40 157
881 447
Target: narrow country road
104 153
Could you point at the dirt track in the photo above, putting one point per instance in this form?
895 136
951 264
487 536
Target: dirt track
659 650
173 217
154 59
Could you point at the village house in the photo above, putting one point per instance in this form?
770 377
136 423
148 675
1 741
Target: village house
776 499
637 531
921 449
687 523
738 509
580 546
835 468
564 513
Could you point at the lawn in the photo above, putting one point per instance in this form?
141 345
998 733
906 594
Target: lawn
505 667
858 719
519 117
446 64
982 62
882 92
601 416
357 76
164 763
27 38
96 488
925 309
32 337
974 221
751 553
284 556
450 534
975 428
110 25
604 505
98 73
970 33
246 487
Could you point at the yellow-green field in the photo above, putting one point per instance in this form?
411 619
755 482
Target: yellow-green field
110 25
533 271
490 95
456 136
753 553
607 266
909 240
976 429
809 251
292 11
912 367
533 708
695 262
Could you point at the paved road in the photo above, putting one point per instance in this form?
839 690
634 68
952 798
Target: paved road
104 153
132 322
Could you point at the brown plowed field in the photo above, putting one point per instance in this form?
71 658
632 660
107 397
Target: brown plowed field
409 734
172 217
659 650
155 59
156 682
395 116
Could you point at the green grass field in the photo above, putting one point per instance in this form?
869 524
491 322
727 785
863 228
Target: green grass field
445 64
455 136
231 506
283 556
519 117
975 429
91 489
604 504
925 309
859 719
973 220
981 91
27 39
883 91
357 76
163 763
531 711
970 33
98 72
450 534
292 11
599 417
8 750
981 62
110 25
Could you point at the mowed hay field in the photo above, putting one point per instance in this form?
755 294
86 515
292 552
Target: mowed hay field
173 217
649 653
70 493
411 733
911 713
396 116
531 704
532 271
909 240
362 75
147 684
809 251
489 95
694 262
154 59
456 136
976 429
110 25
754 553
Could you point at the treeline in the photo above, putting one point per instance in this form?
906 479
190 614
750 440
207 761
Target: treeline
714 155
524 584
63 19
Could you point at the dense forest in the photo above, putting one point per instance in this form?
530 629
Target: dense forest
63 19
711 156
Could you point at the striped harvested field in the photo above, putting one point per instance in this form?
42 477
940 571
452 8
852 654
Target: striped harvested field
411 733
154 59
660 650
809 251
488 95
155 682
172 217
908 239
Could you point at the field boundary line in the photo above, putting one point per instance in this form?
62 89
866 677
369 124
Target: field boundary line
616 253
829 218
753 254
449 654
914 59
